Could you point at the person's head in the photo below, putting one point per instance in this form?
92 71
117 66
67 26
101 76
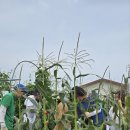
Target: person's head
37 95
117 96
80 93
20 90
120 95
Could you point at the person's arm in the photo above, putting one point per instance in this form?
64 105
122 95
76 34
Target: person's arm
2 117
61 110
89 114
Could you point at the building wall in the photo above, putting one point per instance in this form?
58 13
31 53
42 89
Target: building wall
105 88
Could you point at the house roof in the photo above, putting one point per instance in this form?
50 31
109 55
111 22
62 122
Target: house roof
101 81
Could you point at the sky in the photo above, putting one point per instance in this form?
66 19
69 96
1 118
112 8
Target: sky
104 27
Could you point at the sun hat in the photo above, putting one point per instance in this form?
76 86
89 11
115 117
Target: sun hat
22 87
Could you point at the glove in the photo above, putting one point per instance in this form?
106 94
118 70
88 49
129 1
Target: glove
25 118
87 114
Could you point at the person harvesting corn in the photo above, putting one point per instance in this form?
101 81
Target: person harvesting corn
7 107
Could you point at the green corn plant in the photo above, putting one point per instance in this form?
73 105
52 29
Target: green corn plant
4 81
126 112
55 75
79 58
43 84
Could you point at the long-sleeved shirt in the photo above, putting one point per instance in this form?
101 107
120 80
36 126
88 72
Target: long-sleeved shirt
2 116
7 110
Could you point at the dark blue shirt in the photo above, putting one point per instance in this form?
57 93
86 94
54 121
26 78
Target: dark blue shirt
90 105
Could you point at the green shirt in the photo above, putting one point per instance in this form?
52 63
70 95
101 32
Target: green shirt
8 102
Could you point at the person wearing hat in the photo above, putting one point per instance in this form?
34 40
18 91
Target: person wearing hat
85 104
7 107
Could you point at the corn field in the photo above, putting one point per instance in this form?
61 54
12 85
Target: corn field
53 81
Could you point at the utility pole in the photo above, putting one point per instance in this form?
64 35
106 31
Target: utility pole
129 78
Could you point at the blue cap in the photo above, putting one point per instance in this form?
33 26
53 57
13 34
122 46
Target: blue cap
22 87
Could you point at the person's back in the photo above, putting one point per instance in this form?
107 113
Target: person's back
31 108
28 103
7 104
61 110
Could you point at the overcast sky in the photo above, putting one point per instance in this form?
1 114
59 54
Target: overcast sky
104 26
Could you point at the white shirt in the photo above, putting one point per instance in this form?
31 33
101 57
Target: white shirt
31 102
2 116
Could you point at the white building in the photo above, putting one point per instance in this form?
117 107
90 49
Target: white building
105 86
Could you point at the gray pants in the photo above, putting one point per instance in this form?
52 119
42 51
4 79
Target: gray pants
30 126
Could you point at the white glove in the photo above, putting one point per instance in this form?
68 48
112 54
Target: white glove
87 114
25 119
78 122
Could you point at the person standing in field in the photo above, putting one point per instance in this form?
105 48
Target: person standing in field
7 107
117 110
85 104
31 107
62 108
